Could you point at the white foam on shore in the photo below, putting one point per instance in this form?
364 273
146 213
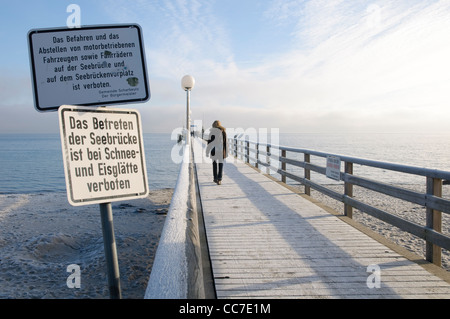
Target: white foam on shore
9 203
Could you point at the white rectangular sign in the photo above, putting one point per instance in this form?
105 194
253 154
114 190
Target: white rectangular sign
103 154
333 167
90 66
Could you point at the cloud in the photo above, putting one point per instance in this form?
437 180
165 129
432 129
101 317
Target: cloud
366 60
347 65
180 36
344 65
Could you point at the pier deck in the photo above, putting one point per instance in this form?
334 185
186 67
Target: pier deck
266 241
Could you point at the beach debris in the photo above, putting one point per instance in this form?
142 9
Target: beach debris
161 211
125 205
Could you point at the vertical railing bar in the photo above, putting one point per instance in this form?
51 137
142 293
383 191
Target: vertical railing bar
433 252
307 158
257 155
348 190
239 149
283 166
247 151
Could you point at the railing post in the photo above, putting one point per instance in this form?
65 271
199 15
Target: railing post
348 190
307 158
434 221
247 151
268 158
235 147
257 155
238 148
283 166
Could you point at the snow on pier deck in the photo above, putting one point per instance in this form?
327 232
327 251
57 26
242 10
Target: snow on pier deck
266 241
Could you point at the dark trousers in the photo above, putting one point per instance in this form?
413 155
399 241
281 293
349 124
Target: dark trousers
217 171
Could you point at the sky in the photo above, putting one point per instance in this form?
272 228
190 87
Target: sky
298 66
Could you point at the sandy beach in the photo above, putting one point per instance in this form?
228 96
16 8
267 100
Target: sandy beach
41 235
406 210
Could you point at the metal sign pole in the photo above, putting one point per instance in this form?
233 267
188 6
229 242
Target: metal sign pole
109 242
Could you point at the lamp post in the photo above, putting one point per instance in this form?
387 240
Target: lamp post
188 83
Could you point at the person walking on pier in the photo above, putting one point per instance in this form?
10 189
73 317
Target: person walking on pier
217 148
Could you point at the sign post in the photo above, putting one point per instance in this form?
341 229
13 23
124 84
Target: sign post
89 68
104 161
109 242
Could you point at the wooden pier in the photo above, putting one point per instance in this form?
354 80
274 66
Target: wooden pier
267 241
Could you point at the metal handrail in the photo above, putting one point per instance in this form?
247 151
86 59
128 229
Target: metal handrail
431 200
415 170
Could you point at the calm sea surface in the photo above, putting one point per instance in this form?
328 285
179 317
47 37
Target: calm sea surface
429 151
33 163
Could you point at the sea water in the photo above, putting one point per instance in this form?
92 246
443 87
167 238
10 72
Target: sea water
412 149
32 163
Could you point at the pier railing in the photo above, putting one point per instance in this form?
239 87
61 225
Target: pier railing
264 154
177 271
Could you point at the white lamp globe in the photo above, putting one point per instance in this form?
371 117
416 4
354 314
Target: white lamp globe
187 82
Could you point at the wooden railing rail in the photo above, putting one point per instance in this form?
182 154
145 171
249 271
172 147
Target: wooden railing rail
260 154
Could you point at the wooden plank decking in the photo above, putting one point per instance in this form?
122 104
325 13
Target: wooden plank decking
266 241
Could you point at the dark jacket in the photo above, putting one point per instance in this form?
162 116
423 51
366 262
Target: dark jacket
225 148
